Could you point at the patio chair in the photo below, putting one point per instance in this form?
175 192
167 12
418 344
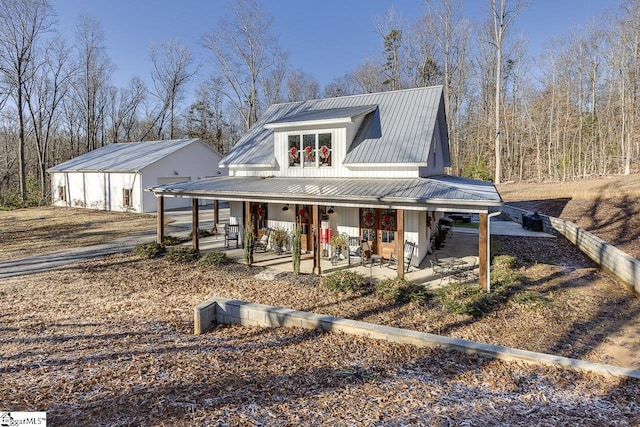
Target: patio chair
409 249
232 233
358 250
472 274
260 245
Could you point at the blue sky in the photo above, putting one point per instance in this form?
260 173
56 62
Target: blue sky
326 38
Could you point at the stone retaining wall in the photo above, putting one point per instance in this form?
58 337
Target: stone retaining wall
622 266
234 312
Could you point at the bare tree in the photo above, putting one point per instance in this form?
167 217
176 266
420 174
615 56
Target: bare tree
44 95
22 25
502 18
124 109
244 50
92 82
301 86
172 70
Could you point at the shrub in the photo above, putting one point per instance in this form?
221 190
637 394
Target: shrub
215 259
149 250
401 291
465 299
345 281
182 255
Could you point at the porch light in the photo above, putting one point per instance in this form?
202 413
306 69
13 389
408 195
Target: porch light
285 207
330 211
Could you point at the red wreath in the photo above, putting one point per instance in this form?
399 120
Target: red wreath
368 219
309 153
293 154
325 153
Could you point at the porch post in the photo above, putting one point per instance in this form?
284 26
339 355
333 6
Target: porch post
195 221
482 251
316 239
216 216
400 242
160 225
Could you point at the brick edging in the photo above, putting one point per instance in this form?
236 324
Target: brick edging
235 312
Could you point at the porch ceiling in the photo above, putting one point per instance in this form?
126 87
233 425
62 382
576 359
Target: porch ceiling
438 192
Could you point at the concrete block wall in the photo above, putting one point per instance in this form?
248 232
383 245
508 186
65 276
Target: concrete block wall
235 312
622 266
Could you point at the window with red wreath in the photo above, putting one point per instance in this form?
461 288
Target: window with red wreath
294 150
310 150
324 151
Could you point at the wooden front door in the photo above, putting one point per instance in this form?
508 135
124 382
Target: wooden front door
379 228
260 215
386 235
303 213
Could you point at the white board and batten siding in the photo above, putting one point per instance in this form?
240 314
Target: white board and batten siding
97 190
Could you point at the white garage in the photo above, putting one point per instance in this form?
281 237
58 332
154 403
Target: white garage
114 177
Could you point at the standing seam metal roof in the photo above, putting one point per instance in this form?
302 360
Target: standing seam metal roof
437 189
399 131
123 157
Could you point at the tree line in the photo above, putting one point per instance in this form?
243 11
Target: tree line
568 113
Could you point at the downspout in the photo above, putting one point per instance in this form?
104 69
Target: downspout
489 216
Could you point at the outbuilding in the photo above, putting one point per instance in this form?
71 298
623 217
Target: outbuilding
113 177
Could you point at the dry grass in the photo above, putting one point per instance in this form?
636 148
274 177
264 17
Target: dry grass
588 189
109 342
25 232
607 207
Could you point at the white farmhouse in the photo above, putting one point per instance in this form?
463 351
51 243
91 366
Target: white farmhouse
113 177
371 166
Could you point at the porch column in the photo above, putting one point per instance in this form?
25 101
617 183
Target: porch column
160 225
216 216
482 251
315 226
195 221
400 242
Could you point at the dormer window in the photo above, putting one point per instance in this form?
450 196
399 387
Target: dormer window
310 150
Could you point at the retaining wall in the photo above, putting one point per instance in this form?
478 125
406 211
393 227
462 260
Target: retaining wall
234 312
622 266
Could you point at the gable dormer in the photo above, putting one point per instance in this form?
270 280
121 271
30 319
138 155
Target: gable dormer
315 142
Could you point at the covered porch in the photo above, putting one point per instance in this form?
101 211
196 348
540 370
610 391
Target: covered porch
414 203
462 245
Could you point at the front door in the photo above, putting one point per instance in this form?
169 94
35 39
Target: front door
303 214
260 215
378 228
386 235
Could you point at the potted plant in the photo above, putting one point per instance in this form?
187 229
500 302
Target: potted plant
280 239
339 242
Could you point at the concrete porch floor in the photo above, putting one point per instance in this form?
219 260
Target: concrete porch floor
464 246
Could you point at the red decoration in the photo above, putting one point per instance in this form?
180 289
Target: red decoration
293 155
325 153
309 153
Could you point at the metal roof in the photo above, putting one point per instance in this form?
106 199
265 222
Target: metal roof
347 113
418 192
123 157
399 131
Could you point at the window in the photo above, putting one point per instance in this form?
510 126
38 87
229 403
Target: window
310 150
127 197
62 193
